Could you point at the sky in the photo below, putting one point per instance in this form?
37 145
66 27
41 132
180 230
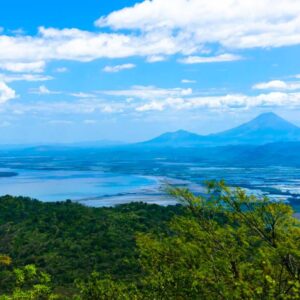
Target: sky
129 70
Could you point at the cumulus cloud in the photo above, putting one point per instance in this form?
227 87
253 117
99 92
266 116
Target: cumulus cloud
118 68
277 85
78 45
161 28
230 23
6 93
210 59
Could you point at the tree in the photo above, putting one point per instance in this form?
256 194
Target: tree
106 289
30 284
229 245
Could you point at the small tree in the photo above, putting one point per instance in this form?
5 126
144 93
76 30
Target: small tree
30 284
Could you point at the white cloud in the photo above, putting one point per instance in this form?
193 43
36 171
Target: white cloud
19 67
277 85
225 102
83 95
61 70
161 28
210 59
6 93
77 45
169 103
78 107
118 68
155 58
230 23
108 108
188 81
19 31
43 90
151 106
24 77
147 99
158 29
149 92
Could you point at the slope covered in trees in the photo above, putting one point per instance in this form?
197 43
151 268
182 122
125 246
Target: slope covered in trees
70 241
229 246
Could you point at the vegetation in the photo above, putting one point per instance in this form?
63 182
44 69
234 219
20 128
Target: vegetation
228 246
69 241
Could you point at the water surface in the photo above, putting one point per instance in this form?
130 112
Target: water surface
74 185
108 188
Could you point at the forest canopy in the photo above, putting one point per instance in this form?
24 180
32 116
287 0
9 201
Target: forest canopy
229 245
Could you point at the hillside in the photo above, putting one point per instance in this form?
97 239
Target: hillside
70 241
139 251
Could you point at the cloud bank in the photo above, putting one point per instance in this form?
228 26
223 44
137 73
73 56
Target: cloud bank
160 28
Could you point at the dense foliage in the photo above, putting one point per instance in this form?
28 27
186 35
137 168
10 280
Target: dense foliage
228 246
70 241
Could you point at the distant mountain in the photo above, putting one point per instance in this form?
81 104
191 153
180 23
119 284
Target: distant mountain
95 144
178 138
63 146
264 129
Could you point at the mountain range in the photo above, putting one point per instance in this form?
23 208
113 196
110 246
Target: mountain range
267 140
264 129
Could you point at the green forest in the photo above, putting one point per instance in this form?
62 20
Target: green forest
228 245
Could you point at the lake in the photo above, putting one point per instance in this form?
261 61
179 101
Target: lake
106 188
88 187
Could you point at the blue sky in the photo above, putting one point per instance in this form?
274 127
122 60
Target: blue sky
130 70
